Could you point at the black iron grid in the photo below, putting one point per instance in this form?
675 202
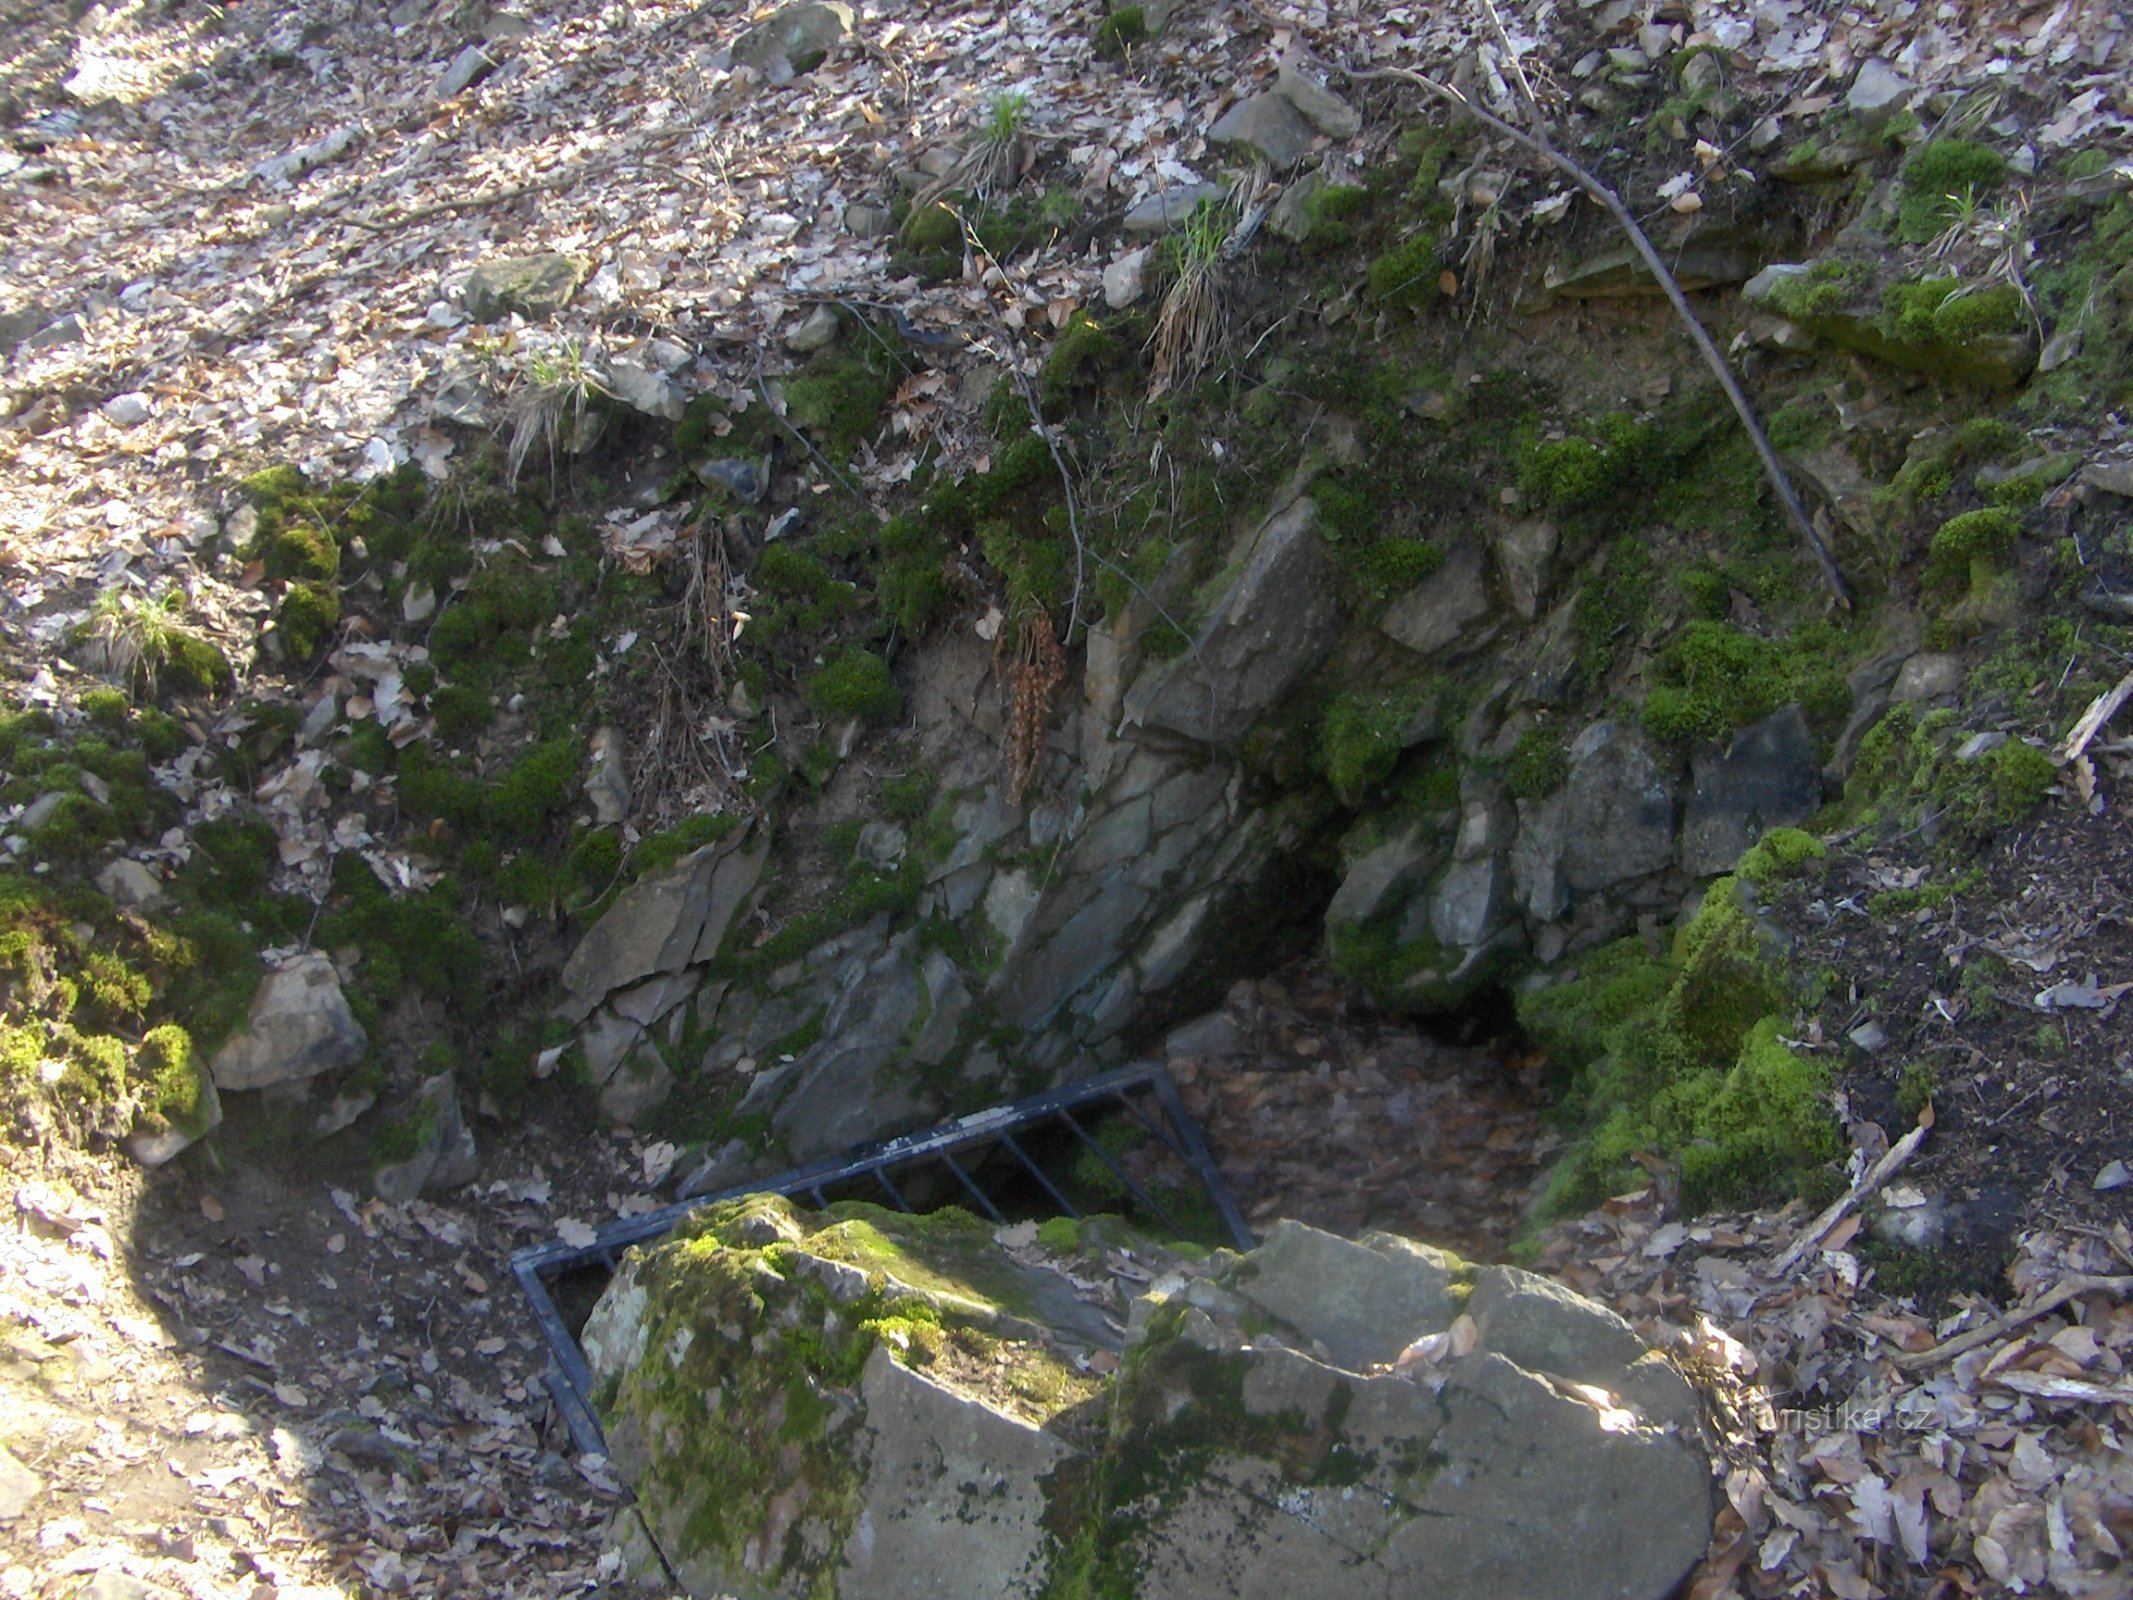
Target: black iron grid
1142 1091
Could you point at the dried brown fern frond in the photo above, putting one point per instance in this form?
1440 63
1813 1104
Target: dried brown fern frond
710 614
1032 680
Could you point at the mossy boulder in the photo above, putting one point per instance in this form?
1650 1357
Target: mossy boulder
855 1402
536 286
1335 1417
1976 333
179 1105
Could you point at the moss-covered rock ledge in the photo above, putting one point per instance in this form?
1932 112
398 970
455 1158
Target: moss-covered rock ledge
855 1403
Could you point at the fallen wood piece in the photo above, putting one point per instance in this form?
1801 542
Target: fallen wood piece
2101 710
1880 1173
2044 1387
2071 1289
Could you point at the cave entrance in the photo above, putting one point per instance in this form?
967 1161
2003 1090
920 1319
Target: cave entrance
1122 1143
1322 1104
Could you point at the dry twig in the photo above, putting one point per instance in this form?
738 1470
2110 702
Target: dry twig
2101 710
2070 1289
1870 1180
1538 143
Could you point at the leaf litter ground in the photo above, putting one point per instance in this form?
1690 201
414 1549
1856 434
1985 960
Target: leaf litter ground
253 1384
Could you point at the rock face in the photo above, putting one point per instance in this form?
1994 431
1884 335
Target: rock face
659 924
1268 625
1619 813
299 1027
1319 1417
1766 778
1430 616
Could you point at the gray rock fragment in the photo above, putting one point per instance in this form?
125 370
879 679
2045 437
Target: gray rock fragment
443 1158
1320 106
468 68
646 389
794 40
536 287
1765 778
1167 208
1878 92
299 1026
1438 610
1267 126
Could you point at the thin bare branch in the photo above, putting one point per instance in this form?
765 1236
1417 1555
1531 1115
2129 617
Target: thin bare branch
1539 144
762 390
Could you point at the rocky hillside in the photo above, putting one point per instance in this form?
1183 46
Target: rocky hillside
757 580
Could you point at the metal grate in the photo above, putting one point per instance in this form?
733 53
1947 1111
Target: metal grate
1020 1158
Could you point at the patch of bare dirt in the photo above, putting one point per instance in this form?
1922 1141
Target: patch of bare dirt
1999 1000
253 1383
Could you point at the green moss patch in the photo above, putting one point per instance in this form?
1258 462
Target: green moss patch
1538 765
1408 274
838 402
1712 677
104 1014
1907 771
1682 1056
1943 182
855 683
1120 31
1365 730
1970 550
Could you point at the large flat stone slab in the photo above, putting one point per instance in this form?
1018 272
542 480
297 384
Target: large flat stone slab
1272 615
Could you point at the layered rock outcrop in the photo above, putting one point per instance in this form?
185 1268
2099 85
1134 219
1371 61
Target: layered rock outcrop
865 1404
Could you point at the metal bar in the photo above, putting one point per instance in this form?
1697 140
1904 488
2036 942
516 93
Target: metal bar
577 1415
537 1266
1203 1162
1142 1195
571 1372
1037 1172
978 1194
882 1178
1151 1125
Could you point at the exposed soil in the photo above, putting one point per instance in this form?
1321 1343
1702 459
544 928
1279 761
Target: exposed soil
2001 1006
254 1379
